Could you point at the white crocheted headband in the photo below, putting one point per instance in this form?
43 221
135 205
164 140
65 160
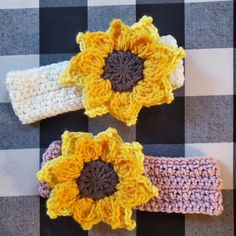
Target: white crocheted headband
36 93
118 71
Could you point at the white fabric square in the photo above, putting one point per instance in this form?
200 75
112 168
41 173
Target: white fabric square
209 72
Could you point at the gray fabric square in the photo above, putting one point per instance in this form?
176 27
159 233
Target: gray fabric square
209 25
19 31
19 216
222 225
13 134
101 123
209 119
99 18
62 3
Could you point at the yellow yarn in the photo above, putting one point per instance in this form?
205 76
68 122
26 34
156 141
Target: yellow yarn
142 39
61 173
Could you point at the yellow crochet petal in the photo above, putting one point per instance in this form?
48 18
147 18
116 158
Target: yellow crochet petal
68 168
99 40
156 88
110 142
120 34
61 169
96 92
96 111
113 214
154 92
163 62
46 174
143 46
80 144
62 199
125 219
124 107
129 162
89 61
70 139
72 75
89 150
142 43
146 23
135 191
144 37
85 213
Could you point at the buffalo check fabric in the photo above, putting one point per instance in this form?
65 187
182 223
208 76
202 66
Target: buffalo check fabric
199 122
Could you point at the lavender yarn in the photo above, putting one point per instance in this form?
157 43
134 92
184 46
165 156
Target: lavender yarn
53 151
186 185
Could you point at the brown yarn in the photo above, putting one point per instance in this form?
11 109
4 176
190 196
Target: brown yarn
98 179
124 70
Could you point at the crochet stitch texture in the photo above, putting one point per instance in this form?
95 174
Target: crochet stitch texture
124 70
80 150
100 96
186 185
36 93
97 180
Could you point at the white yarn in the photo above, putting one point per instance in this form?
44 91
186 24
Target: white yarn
36 94
177 78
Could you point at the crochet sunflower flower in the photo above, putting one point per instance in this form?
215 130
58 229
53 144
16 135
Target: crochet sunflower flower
97 178
123 69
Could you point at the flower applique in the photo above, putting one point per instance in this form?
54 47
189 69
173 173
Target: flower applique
123 69
97 178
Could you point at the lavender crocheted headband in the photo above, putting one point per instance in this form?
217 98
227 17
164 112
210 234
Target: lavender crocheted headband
118 72
103 178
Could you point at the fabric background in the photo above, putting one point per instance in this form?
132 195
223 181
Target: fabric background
198 122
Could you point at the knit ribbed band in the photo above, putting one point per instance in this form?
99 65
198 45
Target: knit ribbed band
36 94
186 185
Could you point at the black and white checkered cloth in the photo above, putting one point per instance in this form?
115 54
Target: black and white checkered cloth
198 122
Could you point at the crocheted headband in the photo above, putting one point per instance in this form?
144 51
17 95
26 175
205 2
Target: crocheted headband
117 71
101 178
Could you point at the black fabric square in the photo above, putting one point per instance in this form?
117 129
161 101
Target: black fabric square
164 150
58 227
162 124
169 18
52 128
161 224
59 27
234 124
47 59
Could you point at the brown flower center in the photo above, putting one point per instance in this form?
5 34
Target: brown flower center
98 179
124 70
